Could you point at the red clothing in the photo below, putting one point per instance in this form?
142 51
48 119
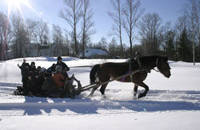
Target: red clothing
59 79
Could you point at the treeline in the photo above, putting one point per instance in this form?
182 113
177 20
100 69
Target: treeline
146 33
179 41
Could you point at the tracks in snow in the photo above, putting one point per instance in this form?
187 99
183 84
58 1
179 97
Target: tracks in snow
157 100
120 100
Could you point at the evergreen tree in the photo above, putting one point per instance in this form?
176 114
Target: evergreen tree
114 49
169 45
184 47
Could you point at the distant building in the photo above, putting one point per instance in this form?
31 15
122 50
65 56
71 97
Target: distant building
35 50
95 53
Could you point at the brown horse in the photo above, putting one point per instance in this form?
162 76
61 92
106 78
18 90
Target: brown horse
101 73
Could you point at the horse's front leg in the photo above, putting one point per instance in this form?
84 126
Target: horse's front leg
145 91
135 90
103 88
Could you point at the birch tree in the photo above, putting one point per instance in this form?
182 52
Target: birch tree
193 15
116 16
72 15
132 12
88 24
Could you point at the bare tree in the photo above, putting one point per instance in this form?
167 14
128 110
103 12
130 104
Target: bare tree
194 21
88 24
58 40
42 34
116 16
180 25
132 13
198 9
67 48
72 15
4 35
21 39
32 26
150 32
102 44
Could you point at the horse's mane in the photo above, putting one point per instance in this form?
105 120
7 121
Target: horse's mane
152 57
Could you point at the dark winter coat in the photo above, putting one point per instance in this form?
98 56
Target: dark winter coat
63 65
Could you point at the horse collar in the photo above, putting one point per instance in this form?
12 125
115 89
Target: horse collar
139 62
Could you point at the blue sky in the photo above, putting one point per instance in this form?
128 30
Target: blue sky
48 10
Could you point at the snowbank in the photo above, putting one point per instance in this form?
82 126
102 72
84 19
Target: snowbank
172 103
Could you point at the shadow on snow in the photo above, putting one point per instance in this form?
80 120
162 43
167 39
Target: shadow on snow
81 105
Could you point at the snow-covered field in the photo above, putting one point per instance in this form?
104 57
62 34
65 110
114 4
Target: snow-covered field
171 104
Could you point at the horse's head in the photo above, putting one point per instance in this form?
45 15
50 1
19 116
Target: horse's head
163 66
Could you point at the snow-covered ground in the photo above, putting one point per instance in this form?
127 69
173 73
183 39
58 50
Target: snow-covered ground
171 104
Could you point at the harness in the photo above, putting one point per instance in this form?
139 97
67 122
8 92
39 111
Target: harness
157 60
131 76
140 67
128 73
130 66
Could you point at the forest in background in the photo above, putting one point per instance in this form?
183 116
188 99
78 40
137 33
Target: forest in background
146 32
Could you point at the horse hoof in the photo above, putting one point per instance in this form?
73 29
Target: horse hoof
135 97
141 95
90 95
104 96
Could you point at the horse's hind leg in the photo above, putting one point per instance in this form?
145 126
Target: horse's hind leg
145 91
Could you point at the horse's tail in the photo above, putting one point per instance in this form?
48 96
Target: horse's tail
93 73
